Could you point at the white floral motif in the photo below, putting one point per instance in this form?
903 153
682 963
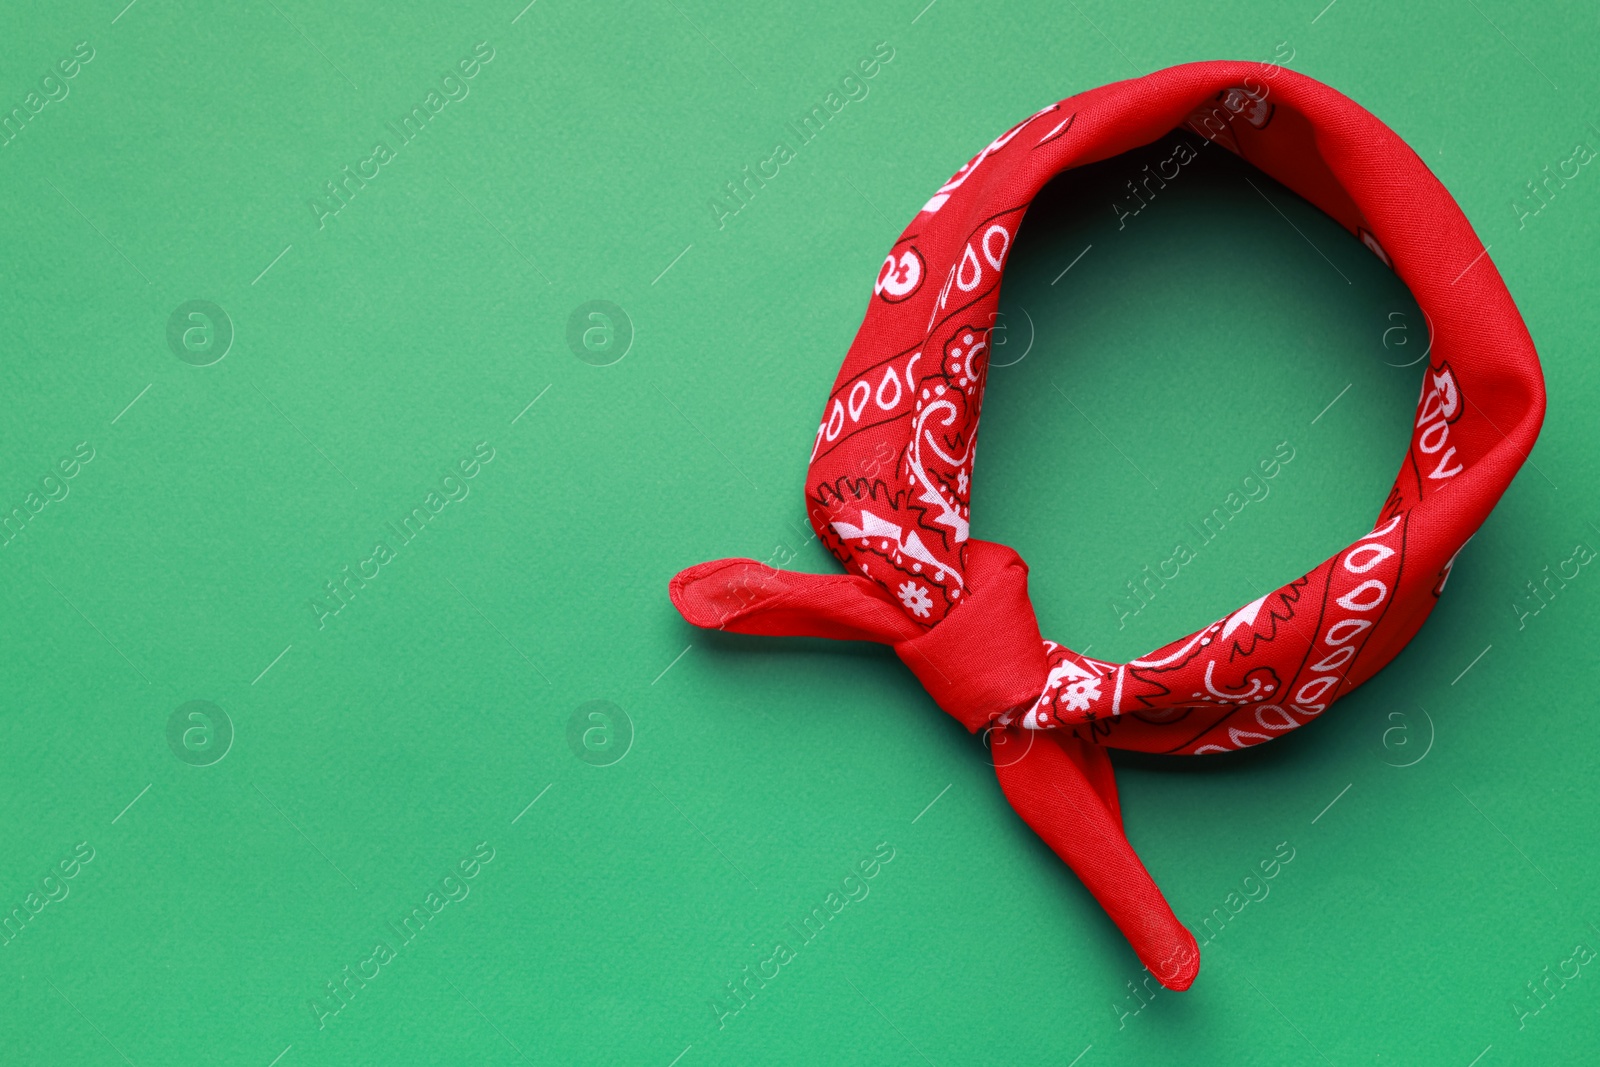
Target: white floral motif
916 600
1077 695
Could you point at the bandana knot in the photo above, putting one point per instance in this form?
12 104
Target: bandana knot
988 667
984 663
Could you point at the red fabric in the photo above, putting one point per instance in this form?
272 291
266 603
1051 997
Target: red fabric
891 471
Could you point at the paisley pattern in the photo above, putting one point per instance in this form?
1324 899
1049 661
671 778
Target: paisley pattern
891 472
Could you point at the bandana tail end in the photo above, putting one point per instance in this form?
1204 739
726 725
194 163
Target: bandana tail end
747 597
1063 789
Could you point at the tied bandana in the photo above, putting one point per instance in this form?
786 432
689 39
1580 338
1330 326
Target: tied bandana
891 471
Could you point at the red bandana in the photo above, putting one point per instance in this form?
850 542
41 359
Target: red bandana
892 466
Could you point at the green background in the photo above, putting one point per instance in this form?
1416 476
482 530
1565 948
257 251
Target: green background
370 355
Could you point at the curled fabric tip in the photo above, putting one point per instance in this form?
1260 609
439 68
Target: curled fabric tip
889 483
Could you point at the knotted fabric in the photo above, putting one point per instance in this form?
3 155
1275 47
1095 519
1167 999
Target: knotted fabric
891 468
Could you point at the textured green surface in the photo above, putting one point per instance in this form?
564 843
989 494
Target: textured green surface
371 355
